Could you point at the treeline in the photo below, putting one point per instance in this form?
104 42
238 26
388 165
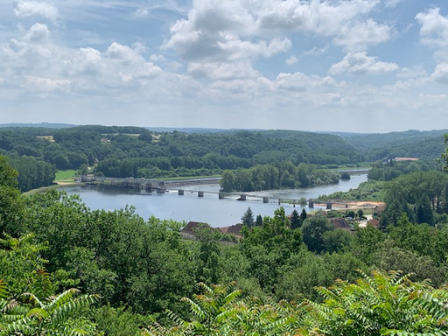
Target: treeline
33 174
412 143
276 176
141 267
381 171
137 152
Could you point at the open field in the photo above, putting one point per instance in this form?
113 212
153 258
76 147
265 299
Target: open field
65 176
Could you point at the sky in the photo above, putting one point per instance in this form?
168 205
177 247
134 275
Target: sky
317 65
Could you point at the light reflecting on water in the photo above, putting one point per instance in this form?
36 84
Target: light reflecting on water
208 209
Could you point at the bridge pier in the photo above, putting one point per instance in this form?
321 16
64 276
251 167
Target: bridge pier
310 203
265 199
180 192
200 194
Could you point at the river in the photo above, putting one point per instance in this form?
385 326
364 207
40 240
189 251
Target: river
209 209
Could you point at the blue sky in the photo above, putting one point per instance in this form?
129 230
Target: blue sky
328 65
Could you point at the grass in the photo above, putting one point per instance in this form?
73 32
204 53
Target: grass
65 175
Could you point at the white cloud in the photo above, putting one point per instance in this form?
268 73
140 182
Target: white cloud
37 33
357 36
324 18
219 31
291 60
440 74
35 8
392 3
360 64
434 30
157 58
220 71
140 12
316 51
124 53
416 71
301 82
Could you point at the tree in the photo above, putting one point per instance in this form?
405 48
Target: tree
259 221
313 230
445 155
296 221
42 314
11 202
360 213
381 304
303 215
345 176
227 180
248 218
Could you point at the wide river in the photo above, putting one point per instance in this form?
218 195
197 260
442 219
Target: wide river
208 209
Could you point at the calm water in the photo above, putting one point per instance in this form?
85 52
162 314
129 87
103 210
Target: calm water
208 209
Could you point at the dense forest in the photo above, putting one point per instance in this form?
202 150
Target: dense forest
136 276
37 152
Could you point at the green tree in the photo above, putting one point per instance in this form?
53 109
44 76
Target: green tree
248 218
296 221
313 230
259 221
382 304
227 181
11 204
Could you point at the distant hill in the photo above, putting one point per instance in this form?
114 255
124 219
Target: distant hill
192 130
39 125
412 143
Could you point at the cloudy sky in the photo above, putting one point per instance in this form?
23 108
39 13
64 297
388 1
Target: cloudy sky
340 65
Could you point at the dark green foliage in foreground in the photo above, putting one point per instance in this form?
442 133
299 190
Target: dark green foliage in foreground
381 304
140 268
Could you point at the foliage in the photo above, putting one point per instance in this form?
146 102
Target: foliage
379 305
11 203
248 218
276 175
313 230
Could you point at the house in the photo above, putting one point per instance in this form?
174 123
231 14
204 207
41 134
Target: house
374 222
189 231
234 230
378 210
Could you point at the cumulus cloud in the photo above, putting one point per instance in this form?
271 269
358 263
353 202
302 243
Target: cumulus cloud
222 71
291 60
416 71
360 64
219 31
302 82
124 53
357 36
440 74
434 30
37 33
24 8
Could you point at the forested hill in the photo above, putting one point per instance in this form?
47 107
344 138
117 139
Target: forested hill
147 153
412 143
